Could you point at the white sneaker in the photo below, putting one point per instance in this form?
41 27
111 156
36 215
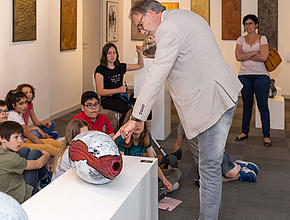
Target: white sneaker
175 186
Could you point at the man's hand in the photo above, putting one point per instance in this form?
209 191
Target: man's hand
126 131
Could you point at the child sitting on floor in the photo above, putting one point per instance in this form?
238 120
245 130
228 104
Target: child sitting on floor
141 144
239 170
42 129
20 169
61 162
3 111
17 104
90 113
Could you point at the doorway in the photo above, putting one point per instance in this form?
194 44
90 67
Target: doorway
91 41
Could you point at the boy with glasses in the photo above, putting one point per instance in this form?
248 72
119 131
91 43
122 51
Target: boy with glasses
90 113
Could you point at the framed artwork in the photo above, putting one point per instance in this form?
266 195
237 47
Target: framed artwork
24 20
68 25
201 7
231 19
112 21
268 21
170 5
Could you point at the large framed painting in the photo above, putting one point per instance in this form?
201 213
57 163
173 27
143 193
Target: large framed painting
231 19
268 21
112 21
201 7
170 5
68 25
24 20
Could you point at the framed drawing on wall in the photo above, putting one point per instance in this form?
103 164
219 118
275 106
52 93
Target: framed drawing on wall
112 21
24 20
68 25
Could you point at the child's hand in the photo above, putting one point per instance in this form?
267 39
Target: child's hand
45 154
43 135
47 124
168 185
122 89
139 49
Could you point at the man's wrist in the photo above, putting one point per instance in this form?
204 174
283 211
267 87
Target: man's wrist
135 119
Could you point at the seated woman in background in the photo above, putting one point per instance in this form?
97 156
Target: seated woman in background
17 104
41 129
109 78
141 144
61 162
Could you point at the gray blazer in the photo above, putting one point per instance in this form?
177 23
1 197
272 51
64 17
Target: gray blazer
202 85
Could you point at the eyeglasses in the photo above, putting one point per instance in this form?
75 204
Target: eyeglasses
91 106
140 25
248 24
3 111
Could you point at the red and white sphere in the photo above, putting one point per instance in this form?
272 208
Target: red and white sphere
95 158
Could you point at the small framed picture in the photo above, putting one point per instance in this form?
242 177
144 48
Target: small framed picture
112 21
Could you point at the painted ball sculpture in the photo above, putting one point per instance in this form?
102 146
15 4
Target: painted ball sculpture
95 158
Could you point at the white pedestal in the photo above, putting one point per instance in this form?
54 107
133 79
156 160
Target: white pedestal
132 195
161 111
277 113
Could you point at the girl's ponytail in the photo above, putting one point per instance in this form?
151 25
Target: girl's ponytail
12 97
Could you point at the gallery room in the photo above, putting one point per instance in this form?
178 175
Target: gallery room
56 46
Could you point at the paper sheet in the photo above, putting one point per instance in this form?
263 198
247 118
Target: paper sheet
168 204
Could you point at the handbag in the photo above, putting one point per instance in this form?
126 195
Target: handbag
273 60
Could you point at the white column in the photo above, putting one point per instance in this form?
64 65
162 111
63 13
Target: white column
161 111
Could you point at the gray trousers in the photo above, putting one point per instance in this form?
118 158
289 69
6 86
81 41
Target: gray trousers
173 175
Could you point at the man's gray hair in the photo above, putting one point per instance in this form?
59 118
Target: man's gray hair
143 6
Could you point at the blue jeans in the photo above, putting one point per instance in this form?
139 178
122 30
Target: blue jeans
211 144
258 85
45 130
227 164
31 177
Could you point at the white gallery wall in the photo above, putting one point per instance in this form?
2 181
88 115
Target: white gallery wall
56 75
25 62
65 67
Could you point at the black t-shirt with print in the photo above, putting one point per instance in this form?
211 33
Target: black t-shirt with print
113 78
